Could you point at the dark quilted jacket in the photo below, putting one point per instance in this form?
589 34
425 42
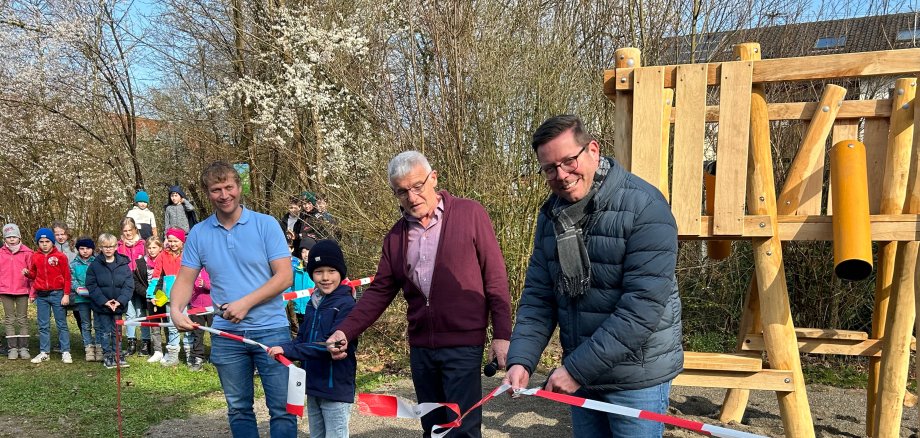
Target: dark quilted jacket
625 331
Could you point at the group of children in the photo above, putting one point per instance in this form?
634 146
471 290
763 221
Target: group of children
133 277
117 280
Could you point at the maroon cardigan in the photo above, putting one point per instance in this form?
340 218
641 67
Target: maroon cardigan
469 283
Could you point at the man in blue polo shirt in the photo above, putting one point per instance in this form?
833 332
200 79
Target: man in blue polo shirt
247 257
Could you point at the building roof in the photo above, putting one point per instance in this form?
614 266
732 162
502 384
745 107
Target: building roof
863 34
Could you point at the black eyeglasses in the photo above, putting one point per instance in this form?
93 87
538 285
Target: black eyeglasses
568 164
416 188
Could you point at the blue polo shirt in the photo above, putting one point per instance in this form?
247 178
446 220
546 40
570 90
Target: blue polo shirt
238 262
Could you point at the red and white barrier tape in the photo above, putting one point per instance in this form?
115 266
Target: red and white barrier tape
391 406
288 296
297 377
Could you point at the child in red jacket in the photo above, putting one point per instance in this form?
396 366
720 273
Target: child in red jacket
50 275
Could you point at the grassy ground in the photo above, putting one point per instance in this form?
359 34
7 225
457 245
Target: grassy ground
79 399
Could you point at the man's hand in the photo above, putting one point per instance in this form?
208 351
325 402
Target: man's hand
562 382
517 377
181 320
236 311
499 349
337 344
65 300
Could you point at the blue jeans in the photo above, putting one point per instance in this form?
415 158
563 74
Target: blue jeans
105 324
45 306
235 363
173 336
586 422
86 324
328 419
137 307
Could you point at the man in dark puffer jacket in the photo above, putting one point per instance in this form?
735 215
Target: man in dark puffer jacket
602 267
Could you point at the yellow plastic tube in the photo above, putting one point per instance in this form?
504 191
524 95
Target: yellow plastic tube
850 192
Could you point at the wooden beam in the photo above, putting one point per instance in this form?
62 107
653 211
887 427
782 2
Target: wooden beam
849 109
764 380
894 227
689 137
722 362
885 228
842 347
623 110
809 159
647 124
816 333
732 149
844 65
754 226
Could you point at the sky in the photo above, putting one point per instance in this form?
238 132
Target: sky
146 75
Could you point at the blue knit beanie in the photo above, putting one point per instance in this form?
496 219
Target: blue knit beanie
142 196
44 233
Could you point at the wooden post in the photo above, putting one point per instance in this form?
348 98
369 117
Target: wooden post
622 117
894 189
810 155
892 378
775 314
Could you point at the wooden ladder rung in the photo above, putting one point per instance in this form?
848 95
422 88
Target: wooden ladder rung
764 380
722 362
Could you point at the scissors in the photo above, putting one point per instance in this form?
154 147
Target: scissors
336 344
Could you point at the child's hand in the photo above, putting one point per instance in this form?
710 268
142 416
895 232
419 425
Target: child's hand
25 272
65 300
199 282
274 351
337 344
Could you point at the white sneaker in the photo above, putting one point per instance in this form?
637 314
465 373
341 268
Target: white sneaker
41 357
24 353
65 357
155 357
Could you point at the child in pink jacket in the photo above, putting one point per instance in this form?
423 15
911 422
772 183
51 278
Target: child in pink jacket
201 297
14 291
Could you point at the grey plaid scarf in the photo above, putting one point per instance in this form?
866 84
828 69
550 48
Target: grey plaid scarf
570 243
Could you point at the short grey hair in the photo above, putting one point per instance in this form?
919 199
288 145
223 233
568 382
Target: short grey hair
403 163
106 238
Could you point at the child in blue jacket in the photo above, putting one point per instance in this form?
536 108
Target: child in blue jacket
330 383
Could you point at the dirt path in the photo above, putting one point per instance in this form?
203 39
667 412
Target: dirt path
836 412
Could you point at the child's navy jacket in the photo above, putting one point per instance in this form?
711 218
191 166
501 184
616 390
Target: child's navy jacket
326 378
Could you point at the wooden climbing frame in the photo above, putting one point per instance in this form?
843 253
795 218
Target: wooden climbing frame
654 101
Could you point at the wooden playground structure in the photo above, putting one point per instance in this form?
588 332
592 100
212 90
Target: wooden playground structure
874 195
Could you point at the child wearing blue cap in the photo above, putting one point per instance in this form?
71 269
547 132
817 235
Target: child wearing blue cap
143 217
50 275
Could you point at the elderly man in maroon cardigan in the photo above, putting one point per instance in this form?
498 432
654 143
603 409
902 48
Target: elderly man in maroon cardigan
444 256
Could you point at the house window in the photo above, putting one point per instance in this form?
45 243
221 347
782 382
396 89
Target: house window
908 35
830 42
